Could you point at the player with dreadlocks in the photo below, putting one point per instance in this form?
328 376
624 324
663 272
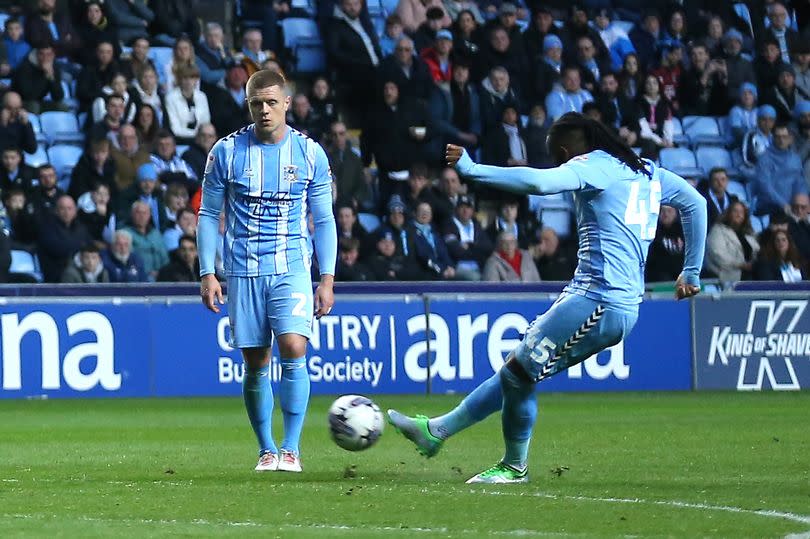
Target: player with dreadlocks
617 197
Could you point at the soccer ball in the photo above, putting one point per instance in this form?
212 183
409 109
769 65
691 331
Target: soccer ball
355 422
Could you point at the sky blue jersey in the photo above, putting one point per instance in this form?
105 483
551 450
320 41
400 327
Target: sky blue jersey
617 216
266 191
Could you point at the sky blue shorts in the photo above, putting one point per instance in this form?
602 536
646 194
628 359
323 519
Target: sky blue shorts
571 331
260 307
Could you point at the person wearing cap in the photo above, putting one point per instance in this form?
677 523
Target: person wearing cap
576 27
779 30
425 35
144 189
389 263
437 57
468 244
801 64
779 174
739 70
785 95
547 70
455 109
396 220
757 140
413 13
410 73
743 116
541 25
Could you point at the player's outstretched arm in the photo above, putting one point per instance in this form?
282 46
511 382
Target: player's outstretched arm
213 196
520 180
325 235
676 192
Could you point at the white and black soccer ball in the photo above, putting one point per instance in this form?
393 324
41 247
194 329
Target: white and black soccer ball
355 422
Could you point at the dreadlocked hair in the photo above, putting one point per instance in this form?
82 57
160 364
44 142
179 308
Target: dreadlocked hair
598 137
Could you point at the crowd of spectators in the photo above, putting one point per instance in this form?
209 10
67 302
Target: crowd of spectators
491 75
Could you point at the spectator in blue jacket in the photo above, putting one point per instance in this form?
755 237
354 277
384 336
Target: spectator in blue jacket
779 174
16 47
121 263
568 96
430 249
743 116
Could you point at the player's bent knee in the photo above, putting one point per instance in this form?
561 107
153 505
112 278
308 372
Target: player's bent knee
292 345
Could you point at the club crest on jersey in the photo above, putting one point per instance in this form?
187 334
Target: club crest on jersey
290 173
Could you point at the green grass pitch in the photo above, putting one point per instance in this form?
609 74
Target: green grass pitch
602 465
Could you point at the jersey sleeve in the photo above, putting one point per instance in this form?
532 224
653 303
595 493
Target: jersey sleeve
521 180
676 192
319 198
213 197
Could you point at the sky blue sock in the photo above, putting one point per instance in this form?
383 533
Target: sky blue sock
485 399
259 404
518 417
294 396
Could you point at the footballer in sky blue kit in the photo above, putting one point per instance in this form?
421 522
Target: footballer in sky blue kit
267 177
617 197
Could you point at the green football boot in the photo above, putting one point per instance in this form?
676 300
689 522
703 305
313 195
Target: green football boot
416 430
499 474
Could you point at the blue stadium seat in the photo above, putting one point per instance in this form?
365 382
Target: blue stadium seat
389 6
737 189
724 124
709 157
68 99
304 5
702 130
38 158
25 263
310 57
297 29
37 127
161 56
375 7
680 161
64 157
559 220
61 127
678 137
369 221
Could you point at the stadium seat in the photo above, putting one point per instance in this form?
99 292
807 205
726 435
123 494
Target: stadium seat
38 158
297 29
161 56
559 220
375 8
724 124
37 127
702 130
25 263
389 6
678 137
61 127
709 157
558 201
304 5
64 157
680 161
368 221
737 189
310 57
68 99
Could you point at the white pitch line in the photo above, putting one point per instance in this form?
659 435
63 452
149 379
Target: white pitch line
771 513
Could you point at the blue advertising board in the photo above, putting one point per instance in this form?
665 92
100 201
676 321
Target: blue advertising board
174 347
752 344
